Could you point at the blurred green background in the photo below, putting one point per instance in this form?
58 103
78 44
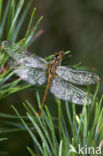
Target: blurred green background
67 25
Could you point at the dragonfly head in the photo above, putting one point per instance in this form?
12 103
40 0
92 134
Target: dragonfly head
59 55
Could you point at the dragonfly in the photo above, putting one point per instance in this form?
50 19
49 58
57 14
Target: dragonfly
61 80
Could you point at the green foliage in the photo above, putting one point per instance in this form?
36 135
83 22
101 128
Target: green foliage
2 139
11 15
57 134
50 135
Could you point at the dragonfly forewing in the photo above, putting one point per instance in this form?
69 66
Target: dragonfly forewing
67 92
77 77
24 57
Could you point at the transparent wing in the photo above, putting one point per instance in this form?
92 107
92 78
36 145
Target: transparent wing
67 92
76 76
24 57
33 76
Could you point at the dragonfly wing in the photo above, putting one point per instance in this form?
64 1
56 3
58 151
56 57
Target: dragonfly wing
67 92
77 77
29 74
24 57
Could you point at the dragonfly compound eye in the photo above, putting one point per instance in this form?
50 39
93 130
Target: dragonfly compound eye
59 54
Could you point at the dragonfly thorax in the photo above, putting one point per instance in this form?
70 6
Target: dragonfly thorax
55 63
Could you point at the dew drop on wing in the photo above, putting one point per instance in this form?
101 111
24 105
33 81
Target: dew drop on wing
24 57
29 74
77 77
67 92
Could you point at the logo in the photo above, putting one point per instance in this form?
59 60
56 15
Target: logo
72 149
85 150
